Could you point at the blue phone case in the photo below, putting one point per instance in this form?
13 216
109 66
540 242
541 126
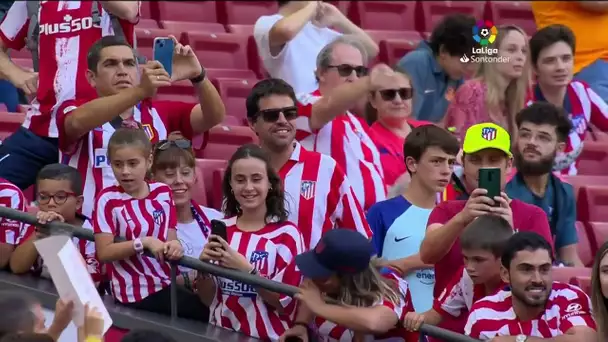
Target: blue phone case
163 52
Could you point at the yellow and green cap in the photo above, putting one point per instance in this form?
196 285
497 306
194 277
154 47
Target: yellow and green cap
486 135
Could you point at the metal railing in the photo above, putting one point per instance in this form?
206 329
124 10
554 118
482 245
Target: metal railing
59 228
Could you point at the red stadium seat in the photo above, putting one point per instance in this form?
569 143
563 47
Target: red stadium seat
564 274
583 282
240 29
233 135
178 91
585 250
384 15
192 11
218 194
230 120
380 35
343 6
244 12
236 74
234 93
199 193
207 168
148 10
220 50
592 204
434 11
392 50
598 234
594 159
517 13
147 23
145 39
9 122
188 26
580 181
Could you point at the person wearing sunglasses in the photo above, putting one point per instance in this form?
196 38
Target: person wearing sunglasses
85 126
313 182
325 125
174 163
389 111
59 196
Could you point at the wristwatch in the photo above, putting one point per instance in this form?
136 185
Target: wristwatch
138 246
521 338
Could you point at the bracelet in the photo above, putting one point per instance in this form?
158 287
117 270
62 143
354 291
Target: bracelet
92 339
200 78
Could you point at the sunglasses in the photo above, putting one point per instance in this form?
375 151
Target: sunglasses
184 144
389 94
346 70
272 115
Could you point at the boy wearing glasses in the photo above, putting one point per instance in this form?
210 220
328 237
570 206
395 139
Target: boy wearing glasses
59 198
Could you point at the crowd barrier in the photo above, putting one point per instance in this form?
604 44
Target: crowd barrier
59 228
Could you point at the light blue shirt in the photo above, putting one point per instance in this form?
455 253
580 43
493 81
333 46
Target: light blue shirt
398 229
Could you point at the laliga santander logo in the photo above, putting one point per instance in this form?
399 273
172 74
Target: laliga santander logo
484 32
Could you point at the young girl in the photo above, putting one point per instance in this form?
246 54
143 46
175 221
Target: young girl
599 291
174 164
144 214
370 304
499 91
259 241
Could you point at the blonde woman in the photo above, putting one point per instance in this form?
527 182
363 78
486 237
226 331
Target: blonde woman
367 301
599 291
499 89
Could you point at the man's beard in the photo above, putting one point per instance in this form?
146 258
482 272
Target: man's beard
539 168
527 301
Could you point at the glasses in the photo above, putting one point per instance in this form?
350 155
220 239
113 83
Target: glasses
390 94
184 144
58 198
272 115
346 70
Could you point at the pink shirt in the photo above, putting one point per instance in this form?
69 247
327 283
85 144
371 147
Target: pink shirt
390 146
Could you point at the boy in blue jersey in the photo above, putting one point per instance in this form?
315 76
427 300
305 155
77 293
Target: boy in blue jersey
399 224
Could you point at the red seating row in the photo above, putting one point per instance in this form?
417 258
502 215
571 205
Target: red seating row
418 16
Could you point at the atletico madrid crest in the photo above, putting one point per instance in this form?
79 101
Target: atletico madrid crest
307 189
488 133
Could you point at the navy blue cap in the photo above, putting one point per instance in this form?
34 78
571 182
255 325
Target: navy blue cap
342 251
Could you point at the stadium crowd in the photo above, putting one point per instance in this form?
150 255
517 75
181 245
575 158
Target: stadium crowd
433 191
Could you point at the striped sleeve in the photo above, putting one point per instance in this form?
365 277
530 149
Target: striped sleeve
286 272
103 216
11 197
13 30
576 311
452 300
349 213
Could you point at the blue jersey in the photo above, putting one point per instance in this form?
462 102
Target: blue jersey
398 230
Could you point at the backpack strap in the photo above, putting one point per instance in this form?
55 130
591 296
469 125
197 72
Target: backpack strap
33 32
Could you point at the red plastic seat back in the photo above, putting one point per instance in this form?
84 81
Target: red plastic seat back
384 15
583 282
517 13
585 249
594 159
598 234
207 168
564 274
592 203
193 11
220 50
244 12
434 11
234 93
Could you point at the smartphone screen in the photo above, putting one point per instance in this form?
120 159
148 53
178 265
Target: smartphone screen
219 228
489 179
163 52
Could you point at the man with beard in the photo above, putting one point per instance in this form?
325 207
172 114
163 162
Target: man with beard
534 308
542 130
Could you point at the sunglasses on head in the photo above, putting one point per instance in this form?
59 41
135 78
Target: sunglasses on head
346 70
184 144
272 115
389 94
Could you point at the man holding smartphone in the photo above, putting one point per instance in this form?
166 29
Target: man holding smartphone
485 146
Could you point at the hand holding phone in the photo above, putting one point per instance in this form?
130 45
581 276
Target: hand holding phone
490 180
218 228
163 51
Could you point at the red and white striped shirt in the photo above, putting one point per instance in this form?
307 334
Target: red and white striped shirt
460 294
271 250
567 307
67 33
584 107
194 235
119 214
86 248
319 197
89 154
346 139
331 332
11 197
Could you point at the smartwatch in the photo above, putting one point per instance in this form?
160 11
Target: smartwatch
138 246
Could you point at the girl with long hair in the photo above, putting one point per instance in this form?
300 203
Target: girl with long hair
389 113
367 303
259 240
599 291
144 214
498 92
174 163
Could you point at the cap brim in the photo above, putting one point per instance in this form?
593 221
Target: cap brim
477 149
310 267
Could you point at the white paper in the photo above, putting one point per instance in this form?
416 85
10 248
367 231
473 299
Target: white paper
71 278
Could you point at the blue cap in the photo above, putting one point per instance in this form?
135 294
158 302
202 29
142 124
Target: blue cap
342 251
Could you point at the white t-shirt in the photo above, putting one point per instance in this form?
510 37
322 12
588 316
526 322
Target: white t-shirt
296 63
193 237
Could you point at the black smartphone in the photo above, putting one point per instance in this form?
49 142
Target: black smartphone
293 339
489 179
219 228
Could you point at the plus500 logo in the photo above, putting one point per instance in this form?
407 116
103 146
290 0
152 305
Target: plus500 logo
74 25
238 288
